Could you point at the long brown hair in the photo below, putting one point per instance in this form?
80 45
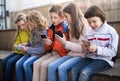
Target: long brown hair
78 20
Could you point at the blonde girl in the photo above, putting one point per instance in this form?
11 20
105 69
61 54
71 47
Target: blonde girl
21 39
38 26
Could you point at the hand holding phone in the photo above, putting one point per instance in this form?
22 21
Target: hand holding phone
86 43
18 47
60 39
59 33
43 36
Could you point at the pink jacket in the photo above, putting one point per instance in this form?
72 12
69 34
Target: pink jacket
74 45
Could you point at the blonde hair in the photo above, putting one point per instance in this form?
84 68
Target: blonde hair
38 19
19 17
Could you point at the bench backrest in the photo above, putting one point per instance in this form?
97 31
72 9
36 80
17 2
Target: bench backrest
7 39
116 25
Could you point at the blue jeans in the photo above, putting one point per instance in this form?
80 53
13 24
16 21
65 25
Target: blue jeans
87 68
66 66
25 63
19 68
8 64
53 68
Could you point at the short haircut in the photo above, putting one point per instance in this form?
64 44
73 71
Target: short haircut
95 11
57 9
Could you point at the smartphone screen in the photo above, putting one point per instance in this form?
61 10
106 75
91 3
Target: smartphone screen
43 36
59 33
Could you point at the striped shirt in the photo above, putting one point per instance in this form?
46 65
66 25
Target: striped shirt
106 40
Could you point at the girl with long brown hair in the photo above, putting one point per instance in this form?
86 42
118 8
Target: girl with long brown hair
77 28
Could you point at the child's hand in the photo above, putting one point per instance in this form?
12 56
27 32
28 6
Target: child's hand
85 48
86 43
92 48
24 48
18 47
47 41
60 39
24 44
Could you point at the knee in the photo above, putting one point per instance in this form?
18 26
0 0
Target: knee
25 65
51 67
61 68
36 63
18 64
44 65
10 63
85 73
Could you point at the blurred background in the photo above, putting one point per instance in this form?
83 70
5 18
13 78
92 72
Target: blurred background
9 9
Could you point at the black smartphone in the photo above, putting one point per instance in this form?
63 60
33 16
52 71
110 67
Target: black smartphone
43 36
59 33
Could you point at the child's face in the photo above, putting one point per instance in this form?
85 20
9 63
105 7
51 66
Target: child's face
55 18
67 17
21 25
95 22
31 24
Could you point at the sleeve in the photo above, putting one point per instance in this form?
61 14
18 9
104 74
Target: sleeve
110 51
38 50
49 35
73 46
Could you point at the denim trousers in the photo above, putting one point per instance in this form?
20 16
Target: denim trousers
65 67
87 68
8 65
53 68
24 66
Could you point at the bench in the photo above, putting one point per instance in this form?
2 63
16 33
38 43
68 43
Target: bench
6 44
6 41
112 74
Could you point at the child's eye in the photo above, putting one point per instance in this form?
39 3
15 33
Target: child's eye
23 24
94 21
55 17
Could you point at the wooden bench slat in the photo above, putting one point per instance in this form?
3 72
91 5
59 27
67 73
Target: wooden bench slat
4 54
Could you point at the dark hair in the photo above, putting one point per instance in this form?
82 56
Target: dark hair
57 9
95 11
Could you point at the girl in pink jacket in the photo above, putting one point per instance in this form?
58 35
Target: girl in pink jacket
77 28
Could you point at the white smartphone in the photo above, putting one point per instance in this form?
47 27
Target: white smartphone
19 47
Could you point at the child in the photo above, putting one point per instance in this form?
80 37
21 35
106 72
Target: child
103 46
38 26
77 28
57 50
22 38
